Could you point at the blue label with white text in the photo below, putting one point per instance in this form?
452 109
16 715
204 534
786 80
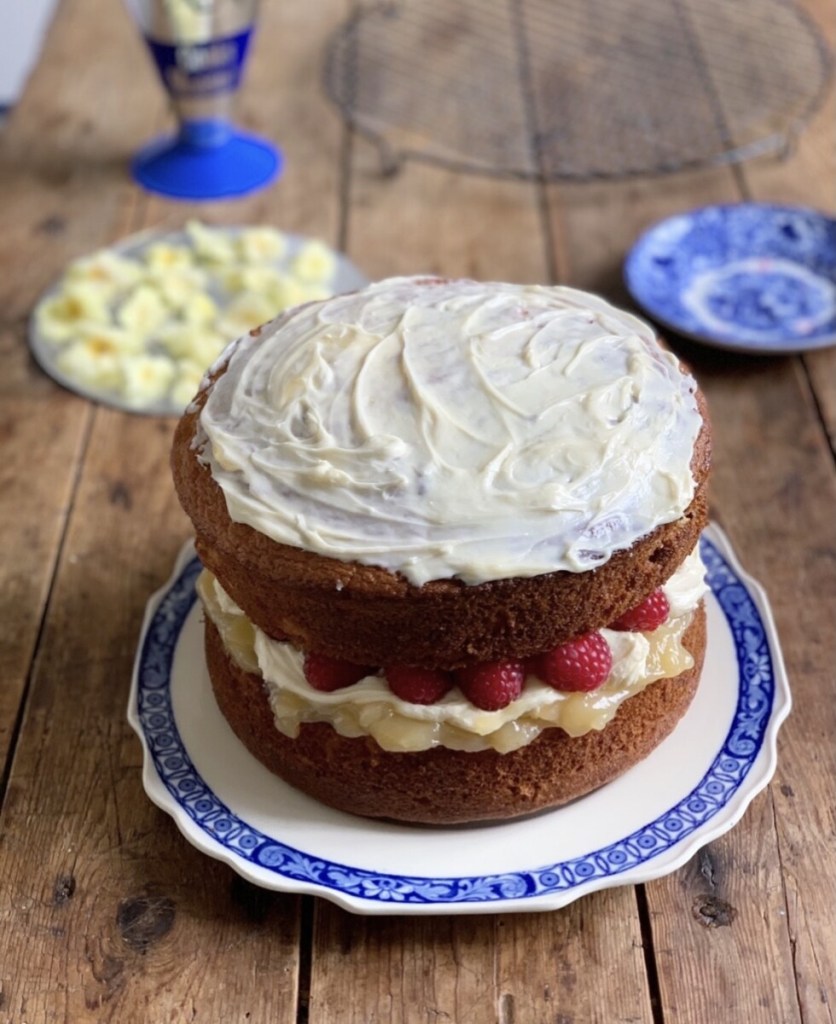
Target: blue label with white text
190 70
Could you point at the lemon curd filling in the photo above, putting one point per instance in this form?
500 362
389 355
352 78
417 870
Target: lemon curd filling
369 708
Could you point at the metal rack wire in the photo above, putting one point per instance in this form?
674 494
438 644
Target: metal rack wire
577 89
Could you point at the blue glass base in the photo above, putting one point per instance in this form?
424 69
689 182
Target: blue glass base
230 164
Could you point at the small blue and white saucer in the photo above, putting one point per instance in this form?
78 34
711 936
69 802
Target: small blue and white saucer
750 277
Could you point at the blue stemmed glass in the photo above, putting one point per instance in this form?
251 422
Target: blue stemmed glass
200 49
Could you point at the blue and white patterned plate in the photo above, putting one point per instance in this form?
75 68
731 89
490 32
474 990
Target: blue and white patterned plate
690 790
750 277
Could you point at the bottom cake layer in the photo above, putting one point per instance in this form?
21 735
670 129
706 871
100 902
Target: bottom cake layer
442 786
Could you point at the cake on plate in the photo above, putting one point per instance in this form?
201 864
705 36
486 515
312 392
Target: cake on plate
450 537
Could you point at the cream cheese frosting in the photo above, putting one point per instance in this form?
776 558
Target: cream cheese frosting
453 429
370 708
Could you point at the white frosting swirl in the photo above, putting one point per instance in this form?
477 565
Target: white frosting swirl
442 429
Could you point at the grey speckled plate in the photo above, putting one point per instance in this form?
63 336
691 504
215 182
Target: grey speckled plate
347 278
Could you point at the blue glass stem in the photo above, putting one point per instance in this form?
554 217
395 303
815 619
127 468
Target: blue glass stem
209 133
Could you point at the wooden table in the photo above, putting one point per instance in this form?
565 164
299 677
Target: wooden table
106 912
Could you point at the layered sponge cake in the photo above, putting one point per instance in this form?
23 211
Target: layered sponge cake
450 536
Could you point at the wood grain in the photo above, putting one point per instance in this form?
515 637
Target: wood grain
62 197
106 912
808 178
582 964
117 917
772 484
795 484
768 503
468 969
123 920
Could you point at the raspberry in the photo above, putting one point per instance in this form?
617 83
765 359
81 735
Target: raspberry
492 685
648 615
326 673
418 685
578 666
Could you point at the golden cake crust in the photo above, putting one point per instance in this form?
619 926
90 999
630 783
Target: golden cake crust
362 613
442 786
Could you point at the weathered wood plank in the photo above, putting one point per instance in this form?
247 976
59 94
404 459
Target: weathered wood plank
808 178
803 503
585 962
120 919
788 536
33 509
106 913
61 198
773 490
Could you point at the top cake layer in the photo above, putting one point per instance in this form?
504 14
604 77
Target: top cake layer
444 429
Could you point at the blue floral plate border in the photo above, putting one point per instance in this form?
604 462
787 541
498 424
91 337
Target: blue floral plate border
748 277
339 864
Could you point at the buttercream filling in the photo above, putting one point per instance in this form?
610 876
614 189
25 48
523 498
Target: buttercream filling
453 429
369 708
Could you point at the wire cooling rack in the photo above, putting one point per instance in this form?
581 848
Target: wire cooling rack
577 89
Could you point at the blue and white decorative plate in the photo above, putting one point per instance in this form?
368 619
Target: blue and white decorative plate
647 823
751 277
